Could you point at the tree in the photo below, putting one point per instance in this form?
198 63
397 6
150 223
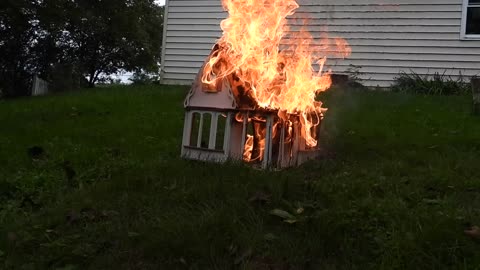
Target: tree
105 36
18 25
77 39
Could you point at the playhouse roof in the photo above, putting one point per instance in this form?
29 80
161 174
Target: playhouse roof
200 97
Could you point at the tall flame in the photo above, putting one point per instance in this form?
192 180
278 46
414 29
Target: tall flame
271 62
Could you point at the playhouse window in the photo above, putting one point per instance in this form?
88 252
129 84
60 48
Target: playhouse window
221 127
195 128
208 130
471 19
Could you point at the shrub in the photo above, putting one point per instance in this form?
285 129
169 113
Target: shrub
436 84
143 78
351 79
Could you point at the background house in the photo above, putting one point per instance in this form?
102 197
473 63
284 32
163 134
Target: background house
386 36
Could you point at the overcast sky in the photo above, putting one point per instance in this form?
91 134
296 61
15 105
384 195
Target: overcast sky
161 2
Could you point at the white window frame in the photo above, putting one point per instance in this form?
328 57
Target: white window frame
463 30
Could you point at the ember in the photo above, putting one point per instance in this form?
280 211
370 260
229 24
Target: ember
260 73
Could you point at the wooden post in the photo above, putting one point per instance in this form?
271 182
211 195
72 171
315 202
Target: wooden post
267 154
476 95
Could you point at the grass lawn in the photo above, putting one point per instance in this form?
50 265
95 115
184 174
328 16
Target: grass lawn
400 184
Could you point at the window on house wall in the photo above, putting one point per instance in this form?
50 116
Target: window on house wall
471 19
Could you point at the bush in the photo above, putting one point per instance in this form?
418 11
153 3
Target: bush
351 79
436 84
143 78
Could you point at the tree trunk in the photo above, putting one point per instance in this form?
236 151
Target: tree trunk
476 95
91 80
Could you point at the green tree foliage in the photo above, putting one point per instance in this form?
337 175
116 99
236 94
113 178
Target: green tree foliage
69 41
18 26
140 77
108 35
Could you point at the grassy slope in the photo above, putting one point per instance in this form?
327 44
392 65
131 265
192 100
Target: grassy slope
396 191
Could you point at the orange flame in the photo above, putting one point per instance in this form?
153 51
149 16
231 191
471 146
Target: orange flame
272 63
247 154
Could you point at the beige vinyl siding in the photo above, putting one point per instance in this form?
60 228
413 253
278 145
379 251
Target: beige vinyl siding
386 36
192 27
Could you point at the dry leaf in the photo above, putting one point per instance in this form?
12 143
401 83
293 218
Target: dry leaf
260 197
473 232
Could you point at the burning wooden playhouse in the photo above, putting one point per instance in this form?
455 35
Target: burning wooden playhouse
220 126
254 99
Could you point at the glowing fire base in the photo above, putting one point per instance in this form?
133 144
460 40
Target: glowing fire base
217 129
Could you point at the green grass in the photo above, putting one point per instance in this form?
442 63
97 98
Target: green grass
396 190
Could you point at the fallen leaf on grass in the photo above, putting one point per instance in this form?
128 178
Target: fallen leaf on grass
286 216
431 201
473 232
133 234
12 237
89 214
171 187
67 267
260 197
232 249
269 237
73 217
281 213
265 263
182 261
69 173
244 257
108 214
36 152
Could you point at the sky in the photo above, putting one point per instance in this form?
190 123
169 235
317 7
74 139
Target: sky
161 2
